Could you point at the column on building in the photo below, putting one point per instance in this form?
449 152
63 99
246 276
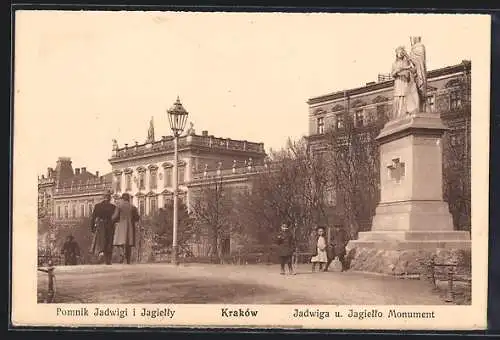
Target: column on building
117 181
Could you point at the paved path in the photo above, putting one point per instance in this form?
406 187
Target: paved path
259 284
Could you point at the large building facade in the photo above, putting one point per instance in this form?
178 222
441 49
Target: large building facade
145 171
66 195
448 94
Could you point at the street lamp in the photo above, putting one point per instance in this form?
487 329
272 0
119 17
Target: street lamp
177 117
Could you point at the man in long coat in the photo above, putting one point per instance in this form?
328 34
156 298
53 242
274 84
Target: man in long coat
126 216
102 226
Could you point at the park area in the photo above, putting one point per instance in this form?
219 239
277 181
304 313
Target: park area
243 284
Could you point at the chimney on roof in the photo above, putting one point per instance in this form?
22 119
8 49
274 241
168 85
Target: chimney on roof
77 171
204 133
84 169
97 173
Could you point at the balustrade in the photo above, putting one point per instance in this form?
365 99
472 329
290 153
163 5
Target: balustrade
192 140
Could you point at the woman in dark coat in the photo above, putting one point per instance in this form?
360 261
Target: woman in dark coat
286 247
340 240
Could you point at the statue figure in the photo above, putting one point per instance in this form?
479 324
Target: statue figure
151 132
419 70
405 89
115 145
191 130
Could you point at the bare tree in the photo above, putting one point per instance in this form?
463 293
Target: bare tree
211 210
291 190
354 162
455 106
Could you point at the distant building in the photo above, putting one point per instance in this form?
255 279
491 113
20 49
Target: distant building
67 195
234 181
145 171
448 94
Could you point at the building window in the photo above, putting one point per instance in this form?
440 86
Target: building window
153 179
358 116
58 211
381 112
153 205
431 100
73 211
455 100
142 206
321 125
128 181
168 177
340 120
66 211
82 210
90 208
181 174
142 180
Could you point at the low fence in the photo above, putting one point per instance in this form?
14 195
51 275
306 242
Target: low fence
450 273
51 287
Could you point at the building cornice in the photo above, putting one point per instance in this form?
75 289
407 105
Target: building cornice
464 66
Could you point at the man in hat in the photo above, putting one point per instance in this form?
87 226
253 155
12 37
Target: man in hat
286 247
101 225
126 216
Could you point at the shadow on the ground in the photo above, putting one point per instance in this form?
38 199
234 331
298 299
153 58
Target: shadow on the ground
172 290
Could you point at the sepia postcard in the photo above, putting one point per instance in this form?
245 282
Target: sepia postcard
254 170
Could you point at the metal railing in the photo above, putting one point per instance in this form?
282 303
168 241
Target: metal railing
51 289
451 276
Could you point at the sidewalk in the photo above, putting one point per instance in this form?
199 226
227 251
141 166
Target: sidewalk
250 284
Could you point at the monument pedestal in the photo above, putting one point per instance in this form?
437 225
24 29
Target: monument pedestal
411 216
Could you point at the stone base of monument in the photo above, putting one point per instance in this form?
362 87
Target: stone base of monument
403 260
412 223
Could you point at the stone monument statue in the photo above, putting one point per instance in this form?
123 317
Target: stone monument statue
410 79
411 217
115 145
419 70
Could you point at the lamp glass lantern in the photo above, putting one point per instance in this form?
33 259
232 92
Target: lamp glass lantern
177 118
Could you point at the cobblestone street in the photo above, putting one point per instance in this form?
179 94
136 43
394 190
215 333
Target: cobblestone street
251 284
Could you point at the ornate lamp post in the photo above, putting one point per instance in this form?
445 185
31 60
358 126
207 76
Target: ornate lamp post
177 117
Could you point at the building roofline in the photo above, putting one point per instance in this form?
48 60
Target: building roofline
464 65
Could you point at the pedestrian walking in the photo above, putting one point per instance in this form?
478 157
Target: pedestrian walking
102 226
330 254
340 240
71 251
320 256
126 217
286 247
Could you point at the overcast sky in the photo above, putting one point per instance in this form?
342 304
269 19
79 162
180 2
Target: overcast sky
84 78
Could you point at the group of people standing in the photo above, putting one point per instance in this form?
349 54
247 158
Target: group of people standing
324 251
114 226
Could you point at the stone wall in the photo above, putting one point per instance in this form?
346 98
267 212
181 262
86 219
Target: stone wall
407 262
